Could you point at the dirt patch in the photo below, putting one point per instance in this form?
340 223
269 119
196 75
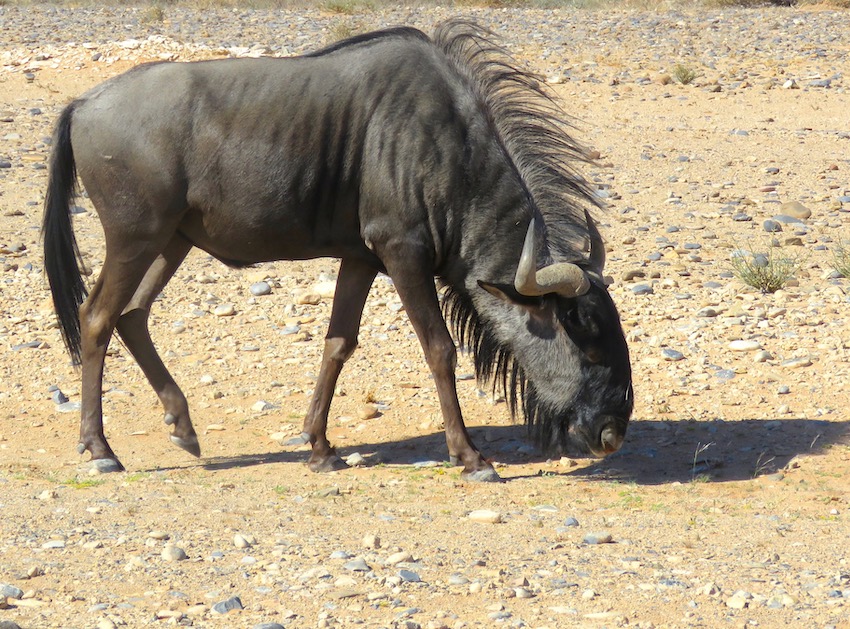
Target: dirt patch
727 504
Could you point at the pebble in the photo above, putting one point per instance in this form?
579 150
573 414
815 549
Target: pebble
739 600
597 538
672 354
772 226
224 310
408 576
796 363
10 591
173 553
268 625
399 557
368 411
259 289
243 541
795 209
642 289
486 516
762 356
371 541
744 345
355 459
228 605
358 564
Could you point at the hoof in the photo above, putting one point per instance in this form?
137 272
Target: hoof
190 445
106 466
327 464
301 440
487 475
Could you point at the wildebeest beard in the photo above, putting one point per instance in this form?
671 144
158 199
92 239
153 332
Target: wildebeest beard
548 427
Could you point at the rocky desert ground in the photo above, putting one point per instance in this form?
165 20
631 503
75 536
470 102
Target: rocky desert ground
716 133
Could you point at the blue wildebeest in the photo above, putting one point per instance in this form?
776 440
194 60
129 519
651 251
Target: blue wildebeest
394 152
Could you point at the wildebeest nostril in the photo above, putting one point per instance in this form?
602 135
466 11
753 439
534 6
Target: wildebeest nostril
611 438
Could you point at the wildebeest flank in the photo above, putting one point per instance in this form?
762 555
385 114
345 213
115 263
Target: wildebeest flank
393 152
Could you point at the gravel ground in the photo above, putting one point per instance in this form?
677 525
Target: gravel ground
727 505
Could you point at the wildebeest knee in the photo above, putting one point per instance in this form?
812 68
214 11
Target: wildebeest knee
442 356
339 349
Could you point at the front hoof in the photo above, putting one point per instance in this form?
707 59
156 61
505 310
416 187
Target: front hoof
105 466
190 444
327 464
485 475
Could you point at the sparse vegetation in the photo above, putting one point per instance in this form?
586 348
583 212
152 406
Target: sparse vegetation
768 271
347 7
86 483
841 259
684 74
152 14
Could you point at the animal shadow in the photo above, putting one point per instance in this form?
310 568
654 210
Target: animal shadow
655 452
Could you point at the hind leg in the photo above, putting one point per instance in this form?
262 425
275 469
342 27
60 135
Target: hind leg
132 326
123 270
352 288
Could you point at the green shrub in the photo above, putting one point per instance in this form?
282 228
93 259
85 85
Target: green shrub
768 272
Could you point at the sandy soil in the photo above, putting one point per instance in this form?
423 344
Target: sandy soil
726 507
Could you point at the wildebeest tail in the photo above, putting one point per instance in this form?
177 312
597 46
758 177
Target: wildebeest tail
61 253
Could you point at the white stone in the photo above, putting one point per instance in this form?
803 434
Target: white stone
486 516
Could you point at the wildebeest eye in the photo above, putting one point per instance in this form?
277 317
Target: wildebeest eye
594 354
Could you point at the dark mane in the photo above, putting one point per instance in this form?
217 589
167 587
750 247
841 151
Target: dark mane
533 129
365 38
534 132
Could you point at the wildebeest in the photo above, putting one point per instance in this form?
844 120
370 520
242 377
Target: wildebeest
394 152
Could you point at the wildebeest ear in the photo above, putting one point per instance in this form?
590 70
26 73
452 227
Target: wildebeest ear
507 292
540 316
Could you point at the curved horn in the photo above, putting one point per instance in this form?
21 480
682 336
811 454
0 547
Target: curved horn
597 246
563 278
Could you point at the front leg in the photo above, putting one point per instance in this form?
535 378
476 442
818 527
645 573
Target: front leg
410 270
352 288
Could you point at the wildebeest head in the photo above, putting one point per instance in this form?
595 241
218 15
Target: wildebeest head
570 368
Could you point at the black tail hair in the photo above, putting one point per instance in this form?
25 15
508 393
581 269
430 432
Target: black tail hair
62 259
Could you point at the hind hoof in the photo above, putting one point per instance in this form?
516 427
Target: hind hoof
105 466
327 464
189 445
487 475
301 440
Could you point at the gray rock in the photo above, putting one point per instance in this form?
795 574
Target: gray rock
672 354
8 624
787 219
260 288
10 591
358 564
598 538
772 226
268 625
409 576
58 397
230 604
570 521
642 289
